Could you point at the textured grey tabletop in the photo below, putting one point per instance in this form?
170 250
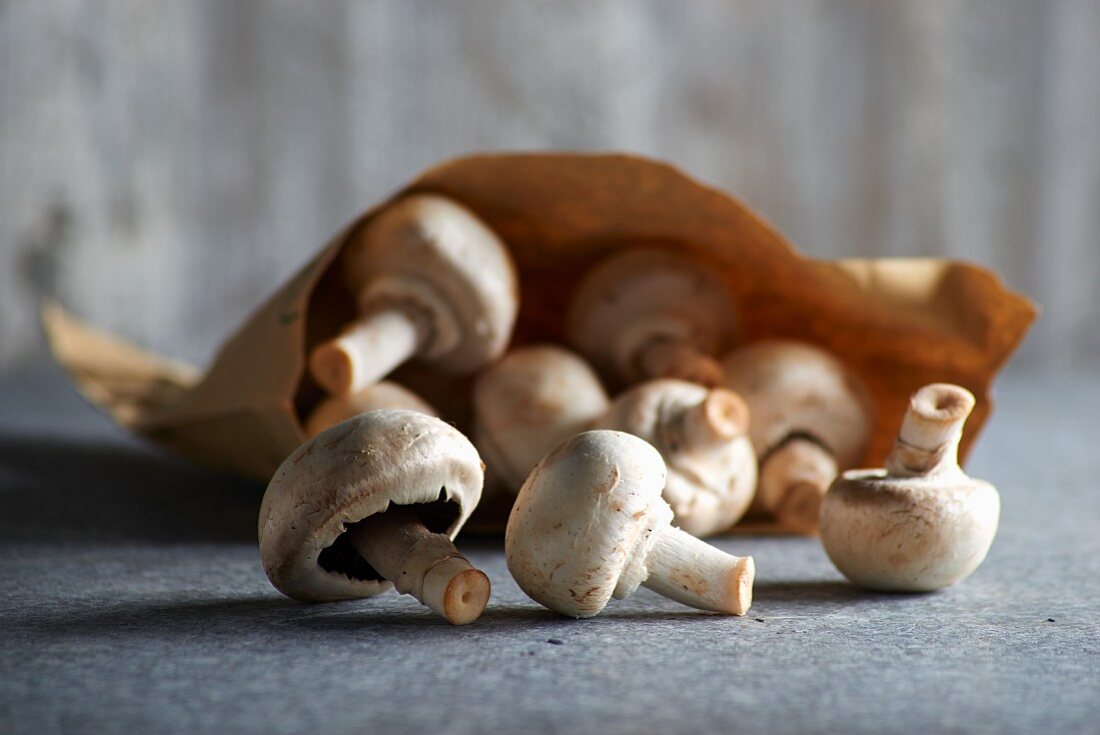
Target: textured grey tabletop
132 600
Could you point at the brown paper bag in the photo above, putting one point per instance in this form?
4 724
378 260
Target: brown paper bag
899 324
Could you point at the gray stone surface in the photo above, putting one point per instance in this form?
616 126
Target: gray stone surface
132 600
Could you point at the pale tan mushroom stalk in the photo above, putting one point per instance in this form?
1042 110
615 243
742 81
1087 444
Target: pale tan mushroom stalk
590 524
703 436
423 564
811 418
433 282
650 313
334 409
371 501
919 524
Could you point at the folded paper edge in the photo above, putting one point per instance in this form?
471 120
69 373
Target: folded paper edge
112 373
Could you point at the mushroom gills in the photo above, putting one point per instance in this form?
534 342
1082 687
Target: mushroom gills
343 558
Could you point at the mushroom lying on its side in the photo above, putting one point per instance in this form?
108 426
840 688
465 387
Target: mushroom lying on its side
811 417
920 524
371 501
383 395
650 313
590 524
703 436
433 281
536 397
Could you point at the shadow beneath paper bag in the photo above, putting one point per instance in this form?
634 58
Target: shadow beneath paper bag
61 490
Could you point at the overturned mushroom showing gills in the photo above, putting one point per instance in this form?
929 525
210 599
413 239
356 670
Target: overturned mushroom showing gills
703 436
383 395
590 524
811 417
371 501
919 524
530 402
434 282
650 313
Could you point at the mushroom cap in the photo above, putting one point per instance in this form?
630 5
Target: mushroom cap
351 471
908 534
583 522
383 395
530 402
797 388
645 293
711 480
436 253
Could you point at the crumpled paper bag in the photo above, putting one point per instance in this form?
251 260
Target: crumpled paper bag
899 324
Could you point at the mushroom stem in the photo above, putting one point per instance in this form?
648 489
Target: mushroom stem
793 480
423 564
928 440
695 573
721 417
365 352
668 357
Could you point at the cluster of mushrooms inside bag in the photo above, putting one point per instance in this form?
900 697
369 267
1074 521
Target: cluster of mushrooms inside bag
605 360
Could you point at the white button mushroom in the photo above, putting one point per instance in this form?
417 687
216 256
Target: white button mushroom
374 500
811 417
433 281
536 397
921 523
652 314
590 524
383 395
703 436
527 404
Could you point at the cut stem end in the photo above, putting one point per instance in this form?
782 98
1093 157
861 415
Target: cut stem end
423 564
929 436
685 569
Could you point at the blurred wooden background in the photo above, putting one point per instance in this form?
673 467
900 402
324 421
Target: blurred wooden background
163 165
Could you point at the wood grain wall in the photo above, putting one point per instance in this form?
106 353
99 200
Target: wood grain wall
164 164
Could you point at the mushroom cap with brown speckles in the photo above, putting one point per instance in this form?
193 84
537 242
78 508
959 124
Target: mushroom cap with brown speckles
584 520
911 534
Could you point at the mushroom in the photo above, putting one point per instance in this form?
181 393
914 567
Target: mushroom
537 397
590 524
650 313
432 281
919 524
371 501
527 404
334 409
811 417
703 436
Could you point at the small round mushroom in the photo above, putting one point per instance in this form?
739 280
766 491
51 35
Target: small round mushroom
650 313
383 395
371 501
811 417
530 402
919 524
703 436
590 524
433 281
